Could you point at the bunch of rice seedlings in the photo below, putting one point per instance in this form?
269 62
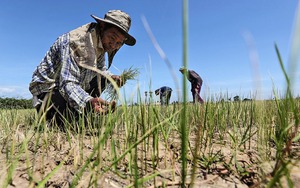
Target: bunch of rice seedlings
127 74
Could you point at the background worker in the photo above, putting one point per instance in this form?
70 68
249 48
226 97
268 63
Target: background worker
165 94
196 83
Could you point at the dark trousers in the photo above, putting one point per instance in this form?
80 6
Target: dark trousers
57 110
196 89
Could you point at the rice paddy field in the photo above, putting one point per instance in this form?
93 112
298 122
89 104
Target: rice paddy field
215 144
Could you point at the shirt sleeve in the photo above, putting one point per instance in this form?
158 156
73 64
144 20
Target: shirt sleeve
69 83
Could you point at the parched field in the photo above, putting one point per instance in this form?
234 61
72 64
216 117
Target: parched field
216 144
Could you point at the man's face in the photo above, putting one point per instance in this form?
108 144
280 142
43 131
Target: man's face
112 39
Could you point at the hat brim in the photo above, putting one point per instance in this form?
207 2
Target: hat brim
130 41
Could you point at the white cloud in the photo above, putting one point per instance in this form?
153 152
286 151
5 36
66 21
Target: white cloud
14 91
7 90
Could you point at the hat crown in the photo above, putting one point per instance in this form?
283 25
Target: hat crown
119 18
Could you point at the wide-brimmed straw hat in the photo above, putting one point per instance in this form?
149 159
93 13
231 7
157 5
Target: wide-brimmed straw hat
120 19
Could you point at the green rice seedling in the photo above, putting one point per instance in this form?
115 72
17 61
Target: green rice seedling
11 148
147 177
284 133
126 75
247 125
184 139
141 139
207 161
156 138
95 152
49 175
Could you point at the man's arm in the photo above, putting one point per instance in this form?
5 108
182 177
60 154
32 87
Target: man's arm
69 82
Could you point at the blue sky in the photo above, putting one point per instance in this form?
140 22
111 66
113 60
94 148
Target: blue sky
230 43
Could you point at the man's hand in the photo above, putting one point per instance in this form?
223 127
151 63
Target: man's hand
118 80
101 106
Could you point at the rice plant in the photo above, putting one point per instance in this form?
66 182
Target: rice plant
218 143
126 75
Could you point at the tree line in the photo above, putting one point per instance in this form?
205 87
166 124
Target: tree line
13 103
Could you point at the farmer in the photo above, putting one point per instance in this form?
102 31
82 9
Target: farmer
73 73
165 94
196 83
